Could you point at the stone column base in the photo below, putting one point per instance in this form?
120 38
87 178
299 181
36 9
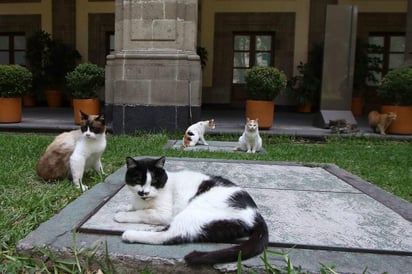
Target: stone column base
152 90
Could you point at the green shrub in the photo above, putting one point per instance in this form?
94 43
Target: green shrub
264 83
15 80
85 81
396 87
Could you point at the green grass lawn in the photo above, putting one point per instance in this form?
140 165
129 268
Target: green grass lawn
26 201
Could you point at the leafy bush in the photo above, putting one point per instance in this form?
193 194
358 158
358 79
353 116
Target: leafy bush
85 81
396 87
264 83
49 60
305 86
15 80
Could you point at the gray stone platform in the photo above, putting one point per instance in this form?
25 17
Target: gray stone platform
213 146
317 213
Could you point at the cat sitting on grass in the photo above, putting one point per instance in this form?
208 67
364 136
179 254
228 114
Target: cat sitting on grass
250 141
72 153
193 207
196 133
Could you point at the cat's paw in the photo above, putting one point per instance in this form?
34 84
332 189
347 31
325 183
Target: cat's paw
129 236
124 208
81 186
121 217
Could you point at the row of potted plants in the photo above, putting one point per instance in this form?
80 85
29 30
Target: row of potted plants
265 83
85 82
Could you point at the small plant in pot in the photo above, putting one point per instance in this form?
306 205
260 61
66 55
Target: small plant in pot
304 87
85 82
396 91
50 60
15 81
263 85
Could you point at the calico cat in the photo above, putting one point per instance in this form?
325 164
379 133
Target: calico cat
193 207
195 133
250 140
380 121
71 153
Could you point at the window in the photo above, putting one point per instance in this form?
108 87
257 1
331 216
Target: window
12 48
251 49
109 42
389 50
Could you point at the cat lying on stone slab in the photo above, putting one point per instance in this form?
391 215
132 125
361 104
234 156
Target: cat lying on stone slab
193 207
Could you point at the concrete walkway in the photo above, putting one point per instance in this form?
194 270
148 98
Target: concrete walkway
315 213
56 120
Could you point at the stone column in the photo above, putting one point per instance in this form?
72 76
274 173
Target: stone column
153 79
338 65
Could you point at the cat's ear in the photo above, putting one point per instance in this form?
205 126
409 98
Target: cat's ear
100 118
247 119
83 115
257 120
130 162
160 162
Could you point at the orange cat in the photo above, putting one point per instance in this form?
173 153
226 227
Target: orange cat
380 120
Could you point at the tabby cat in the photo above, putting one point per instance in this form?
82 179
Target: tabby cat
193 207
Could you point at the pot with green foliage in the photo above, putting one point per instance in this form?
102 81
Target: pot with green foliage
305 87
50 60
85 81
396 92
263 85
15 81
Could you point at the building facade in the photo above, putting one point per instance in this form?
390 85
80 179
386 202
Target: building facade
236 35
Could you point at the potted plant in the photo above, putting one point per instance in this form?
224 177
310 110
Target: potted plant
50 60
15 81
305 87
85 82
363 73
263 85
396 92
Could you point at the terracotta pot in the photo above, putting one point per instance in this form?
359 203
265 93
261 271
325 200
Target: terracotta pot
29 101
87 106
264 110
54 98
305 108
10 110
357 106
403 122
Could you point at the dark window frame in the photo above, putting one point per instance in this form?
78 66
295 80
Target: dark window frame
252 50
11 50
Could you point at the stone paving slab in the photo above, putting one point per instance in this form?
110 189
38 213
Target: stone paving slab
213 146
302 206
309 218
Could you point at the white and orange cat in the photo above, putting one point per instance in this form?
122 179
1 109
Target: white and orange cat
196 133
71 153
250 141
380 121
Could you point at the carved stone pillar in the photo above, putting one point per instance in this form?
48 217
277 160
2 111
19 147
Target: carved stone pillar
153 79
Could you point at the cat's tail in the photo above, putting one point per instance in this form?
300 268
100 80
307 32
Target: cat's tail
253 246
187 138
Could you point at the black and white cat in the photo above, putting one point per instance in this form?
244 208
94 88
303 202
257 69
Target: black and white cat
193 207
196 133
71 153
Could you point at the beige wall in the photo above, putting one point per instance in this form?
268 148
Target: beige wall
207 24
44 8
84 8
